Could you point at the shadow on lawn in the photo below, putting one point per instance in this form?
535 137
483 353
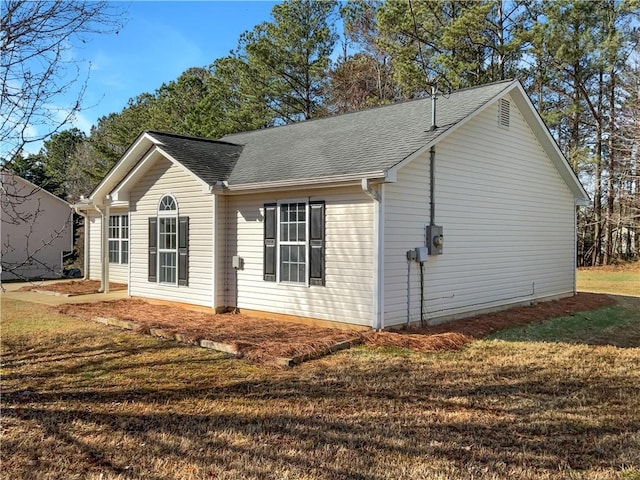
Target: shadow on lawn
389 412
104 358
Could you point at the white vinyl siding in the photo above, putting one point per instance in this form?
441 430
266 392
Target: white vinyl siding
508 222
348 292
166 178
95 246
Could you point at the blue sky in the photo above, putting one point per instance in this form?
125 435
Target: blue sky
159 41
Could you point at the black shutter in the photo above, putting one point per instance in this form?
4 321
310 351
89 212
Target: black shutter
316 243
270 242
183 251
153 251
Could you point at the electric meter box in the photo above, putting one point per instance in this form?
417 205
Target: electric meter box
435 239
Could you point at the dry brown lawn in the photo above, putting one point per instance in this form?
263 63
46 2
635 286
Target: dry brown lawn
85 401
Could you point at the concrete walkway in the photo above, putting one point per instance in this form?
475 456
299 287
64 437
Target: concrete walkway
10 291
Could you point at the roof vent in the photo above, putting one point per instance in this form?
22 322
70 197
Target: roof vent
504 112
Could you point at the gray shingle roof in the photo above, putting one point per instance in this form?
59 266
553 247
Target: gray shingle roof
361 142
367 141
211 160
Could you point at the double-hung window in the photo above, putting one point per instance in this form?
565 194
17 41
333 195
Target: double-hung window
294 242
119 239
168 244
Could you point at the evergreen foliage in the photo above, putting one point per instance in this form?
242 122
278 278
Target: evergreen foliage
577 59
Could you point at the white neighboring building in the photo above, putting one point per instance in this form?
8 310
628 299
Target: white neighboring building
36 229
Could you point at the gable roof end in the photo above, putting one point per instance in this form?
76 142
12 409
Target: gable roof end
210 161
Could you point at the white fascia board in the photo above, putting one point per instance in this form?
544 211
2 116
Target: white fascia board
549 145
307 183
121 168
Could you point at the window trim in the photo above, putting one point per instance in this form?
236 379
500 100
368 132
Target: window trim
120 239
167 214
280 243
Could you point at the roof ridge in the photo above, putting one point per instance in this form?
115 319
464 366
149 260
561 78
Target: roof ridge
190 137
368 109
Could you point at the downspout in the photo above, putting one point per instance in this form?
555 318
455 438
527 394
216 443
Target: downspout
104 229
378 248
86 241
214 252
432 160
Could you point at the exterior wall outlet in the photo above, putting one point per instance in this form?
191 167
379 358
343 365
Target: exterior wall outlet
237 262
421 254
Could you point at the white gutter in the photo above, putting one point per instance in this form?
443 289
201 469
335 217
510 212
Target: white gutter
378 249
312 182
214 257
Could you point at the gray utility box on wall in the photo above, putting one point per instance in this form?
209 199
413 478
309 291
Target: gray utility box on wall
435 239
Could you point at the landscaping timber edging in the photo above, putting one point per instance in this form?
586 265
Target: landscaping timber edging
226 348
293 361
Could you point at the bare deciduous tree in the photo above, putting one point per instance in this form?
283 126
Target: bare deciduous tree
38 75
38 68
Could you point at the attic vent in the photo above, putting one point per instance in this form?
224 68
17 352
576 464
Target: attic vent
504 112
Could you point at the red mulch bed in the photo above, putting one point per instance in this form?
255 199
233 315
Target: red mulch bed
459 332
74 287
264 340
257 339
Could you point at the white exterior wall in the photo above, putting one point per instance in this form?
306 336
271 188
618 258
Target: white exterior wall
35 229
95 247
348 292
166 178
508 222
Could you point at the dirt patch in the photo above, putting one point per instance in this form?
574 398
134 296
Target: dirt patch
73 288
266 341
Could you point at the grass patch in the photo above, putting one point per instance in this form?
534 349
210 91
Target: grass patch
614 325
81 400
616 279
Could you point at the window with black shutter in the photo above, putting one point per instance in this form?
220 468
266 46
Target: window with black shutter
153 249
316 243
169 245
270 242
294 245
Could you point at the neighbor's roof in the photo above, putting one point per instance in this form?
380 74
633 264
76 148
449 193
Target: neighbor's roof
361 142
